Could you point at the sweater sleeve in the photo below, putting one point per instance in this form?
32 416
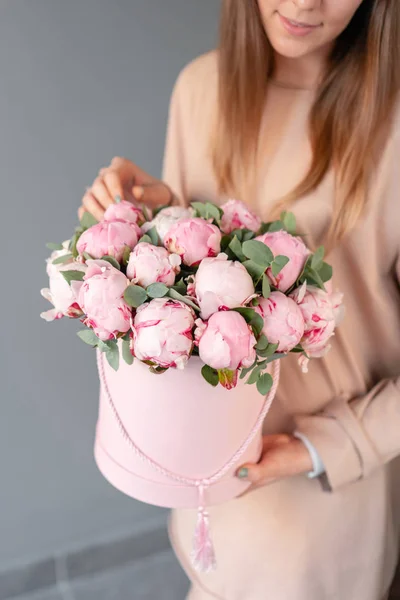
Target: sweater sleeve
355 438
174 157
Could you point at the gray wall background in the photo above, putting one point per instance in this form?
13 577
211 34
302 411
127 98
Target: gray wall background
80 82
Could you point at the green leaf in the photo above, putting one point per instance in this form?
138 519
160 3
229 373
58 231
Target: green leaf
177 296
247 313
135 295
180 287
72 276
212 211
210 375
258 253
126 352
145 212
248 235
153 235
264 383
87 256
262 343
245 371
255 375
88 336
236 248
73 243
126 255
266 287
269 351
297 349
239 233
157 290
289 221
88 220
112 355
112 261
254 270
318 258
145 238
62 259
276 226
200 208
53 246
278 264
313 276
257 324
325 272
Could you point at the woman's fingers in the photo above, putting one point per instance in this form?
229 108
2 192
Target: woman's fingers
113 184
92 206
152 194
100 192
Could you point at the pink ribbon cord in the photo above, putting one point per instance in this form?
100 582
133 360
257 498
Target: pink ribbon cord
203 556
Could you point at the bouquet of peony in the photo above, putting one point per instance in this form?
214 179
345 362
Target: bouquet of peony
207 281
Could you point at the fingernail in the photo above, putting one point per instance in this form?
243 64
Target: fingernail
117 199
138 192
242 473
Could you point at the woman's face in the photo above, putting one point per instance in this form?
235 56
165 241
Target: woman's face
296 28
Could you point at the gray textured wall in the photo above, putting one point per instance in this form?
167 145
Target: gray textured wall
80 81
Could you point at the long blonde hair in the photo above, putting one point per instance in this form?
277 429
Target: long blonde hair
355 98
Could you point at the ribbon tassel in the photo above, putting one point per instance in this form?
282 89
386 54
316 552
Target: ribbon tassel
203 555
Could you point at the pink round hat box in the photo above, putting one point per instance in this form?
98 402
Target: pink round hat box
183 425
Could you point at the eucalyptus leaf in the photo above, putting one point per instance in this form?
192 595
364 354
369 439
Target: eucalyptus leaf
112 261
269 351
258 252
254 375
325 272
53 246
245 371
72 276
157 290
177 296
126 352
213 212
276 226
318 258
87 256
153 235
210 375
88 336
239 233
145 238
87 220
248 235
254 270
236 248
247 313
266 287
112 355
126 255
264 383
262 343
289 220
257 324
62 259
135 295
200 208
278 264
145 212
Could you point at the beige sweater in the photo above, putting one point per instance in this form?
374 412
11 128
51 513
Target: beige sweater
336 538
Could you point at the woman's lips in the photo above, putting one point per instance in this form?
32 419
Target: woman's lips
296 28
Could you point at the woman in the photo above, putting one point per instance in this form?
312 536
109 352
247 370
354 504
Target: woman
299 108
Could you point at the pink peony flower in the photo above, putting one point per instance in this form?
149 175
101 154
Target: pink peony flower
109 238
101 296
59 292
282 243
166 218
125 211
336 301
150 264
226 341
283 321
220 284
193 239
319 319
162 333
238 216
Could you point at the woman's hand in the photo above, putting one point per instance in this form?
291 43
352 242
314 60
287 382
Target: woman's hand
124 179
282 456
